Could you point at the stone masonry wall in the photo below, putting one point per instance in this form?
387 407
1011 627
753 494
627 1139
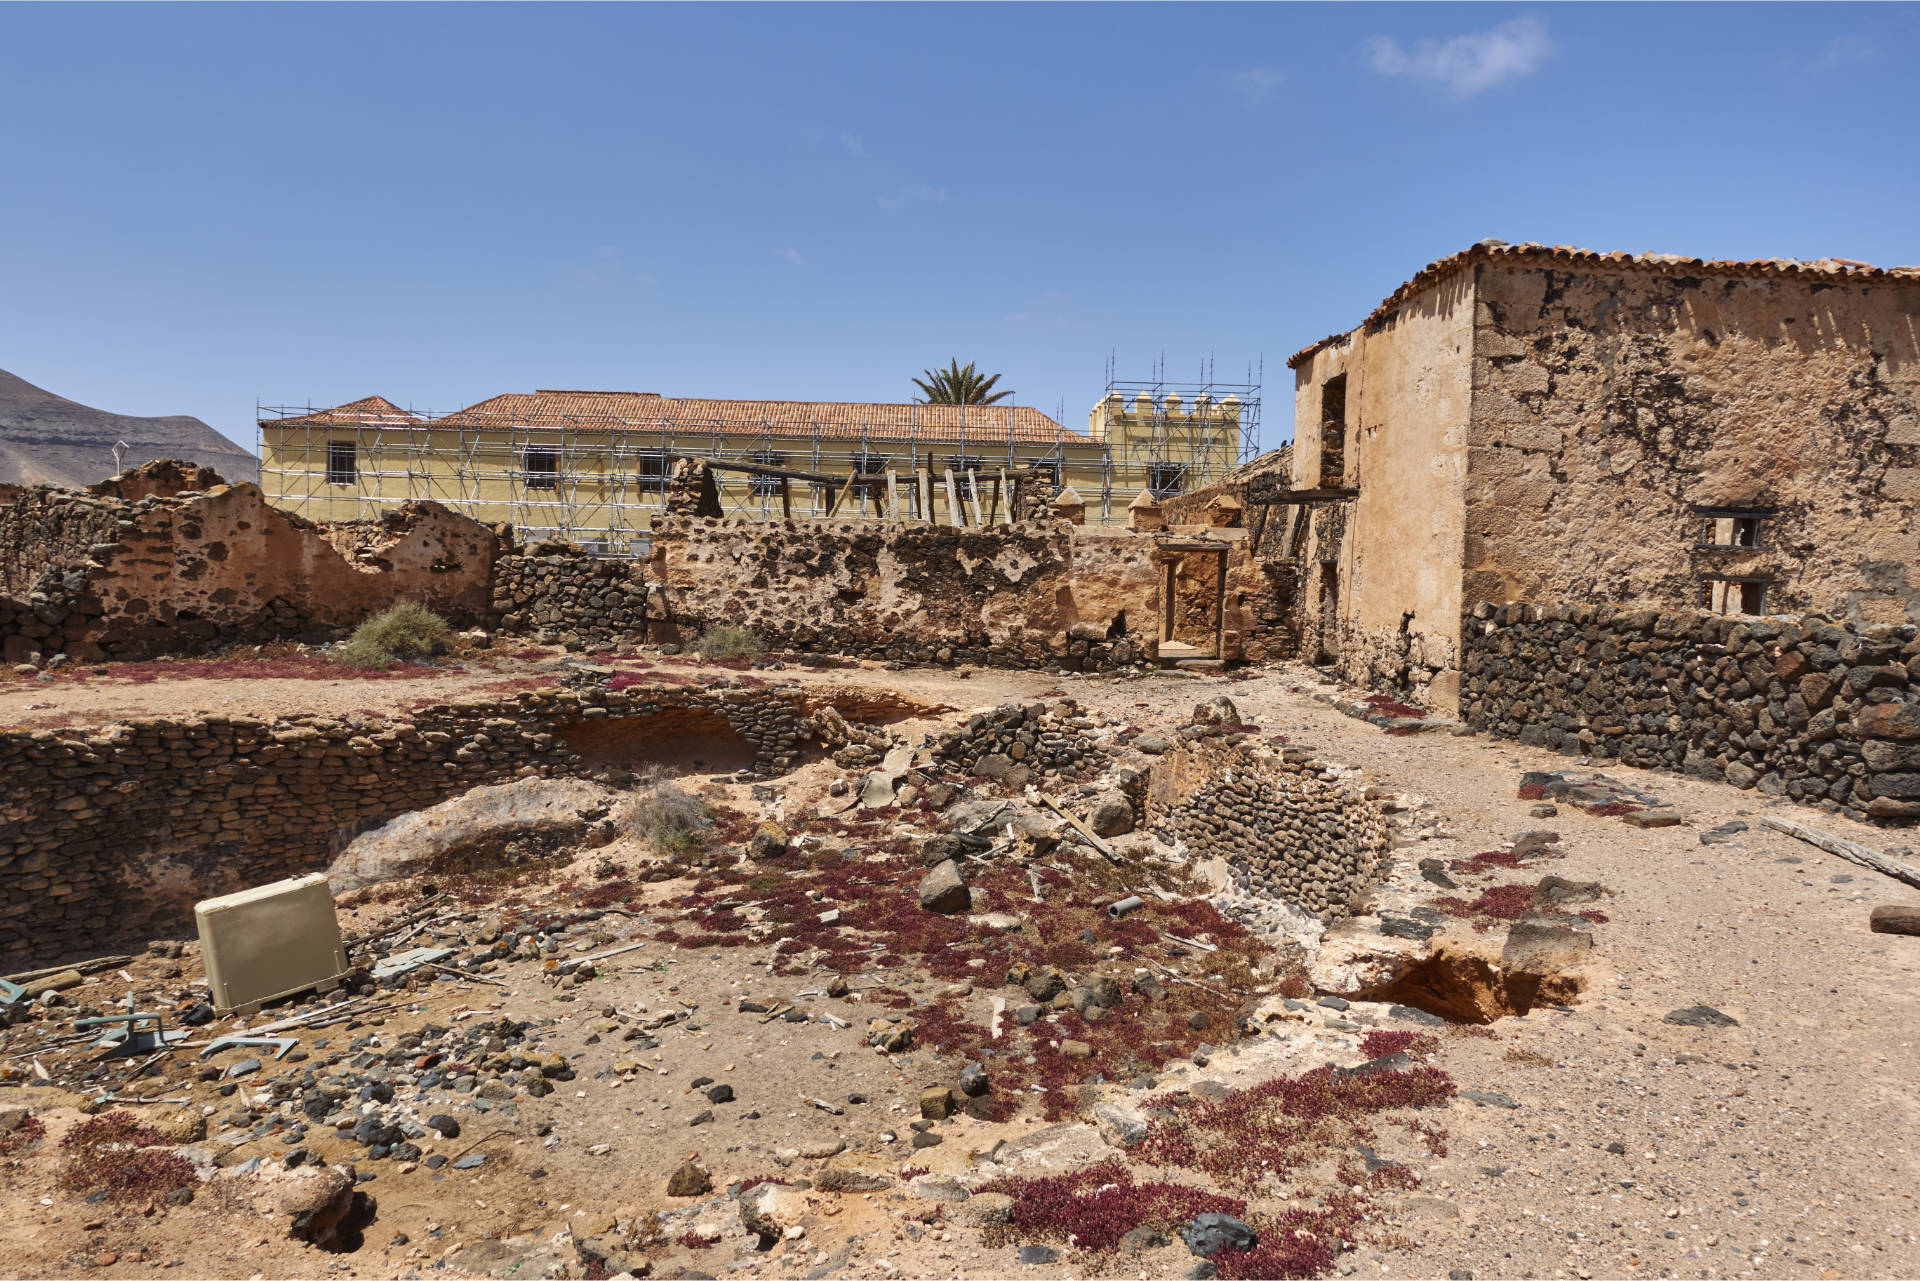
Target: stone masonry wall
110 836
95 575
1827 714
568 596
998 597
1288 825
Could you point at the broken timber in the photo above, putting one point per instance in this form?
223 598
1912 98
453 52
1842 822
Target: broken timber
1082 828
1849 850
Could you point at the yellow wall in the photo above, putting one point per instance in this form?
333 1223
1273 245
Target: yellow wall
480 472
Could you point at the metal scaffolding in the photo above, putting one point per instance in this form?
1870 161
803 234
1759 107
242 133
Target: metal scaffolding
1178 436
598 476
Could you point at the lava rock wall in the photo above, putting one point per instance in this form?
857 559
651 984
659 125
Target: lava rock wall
569 597
1288 825
1823 713
110 836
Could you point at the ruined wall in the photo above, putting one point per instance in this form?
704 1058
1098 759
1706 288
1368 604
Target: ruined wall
1287 824
94 575
1608 402
1395 597
1003 597
110 836
560 594
1824 713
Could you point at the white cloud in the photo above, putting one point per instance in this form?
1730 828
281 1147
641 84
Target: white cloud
1467 64
1256 84
793 256
917 193
1846 51
853 143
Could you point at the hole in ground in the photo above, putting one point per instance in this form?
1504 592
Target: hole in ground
1464 988
684 737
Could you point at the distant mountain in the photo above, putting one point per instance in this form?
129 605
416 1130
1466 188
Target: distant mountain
44 437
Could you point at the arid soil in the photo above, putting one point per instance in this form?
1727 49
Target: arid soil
1603 1141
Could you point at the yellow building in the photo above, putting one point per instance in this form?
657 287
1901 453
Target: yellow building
592 466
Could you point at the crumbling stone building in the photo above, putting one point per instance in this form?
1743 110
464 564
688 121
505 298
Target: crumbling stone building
1525 423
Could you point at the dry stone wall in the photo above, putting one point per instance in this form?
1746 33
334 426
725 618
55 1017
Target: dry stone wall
1019 742
111 836
1824 713
564 595
1288 825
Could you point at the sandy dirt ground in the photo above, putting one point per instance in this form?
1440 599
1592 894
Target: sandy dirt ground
1780 1146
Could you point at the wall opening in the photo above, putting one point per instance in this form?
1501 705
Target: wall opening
1734 595
1192 604
1333 432
543 468
1327 640
692 738
341 465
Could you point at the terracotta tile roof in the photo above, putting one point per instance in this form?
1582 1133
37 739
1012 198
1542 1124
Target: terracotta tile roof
368 410
1530 254
834 419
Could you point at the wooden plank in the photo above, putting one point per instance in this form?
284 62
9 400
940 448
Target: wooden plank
845 494
1849 850
1080 827
993 509
973 498
893 495
956 515
924 483
786 498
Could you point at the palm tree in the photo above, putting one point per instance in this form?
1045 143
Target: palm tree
959 385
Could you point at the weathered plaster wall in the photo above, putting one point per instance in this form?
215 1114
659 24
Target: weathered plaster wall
1408 402
1041 594
1606 403
1005 597
94 575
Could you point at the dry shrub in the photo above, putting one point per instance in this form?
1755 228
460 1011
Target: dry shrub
666 816
721 641
406 630
1532 1058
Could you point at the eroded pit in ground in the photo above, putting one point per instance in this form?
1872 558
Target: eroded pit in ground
682 737
1280 825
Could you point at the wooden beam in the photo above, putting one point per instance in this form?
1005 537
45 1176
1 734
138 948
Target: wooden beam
955 515
757 469
786 498
893 495
924 482
993 511
1849 850
973 497
1288 497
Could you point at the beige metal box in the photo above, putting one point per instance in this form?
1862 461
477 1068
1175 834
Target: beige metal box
270 941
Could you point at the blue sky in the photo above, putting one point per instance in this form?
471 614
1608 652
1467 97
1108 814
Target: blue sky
205 206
